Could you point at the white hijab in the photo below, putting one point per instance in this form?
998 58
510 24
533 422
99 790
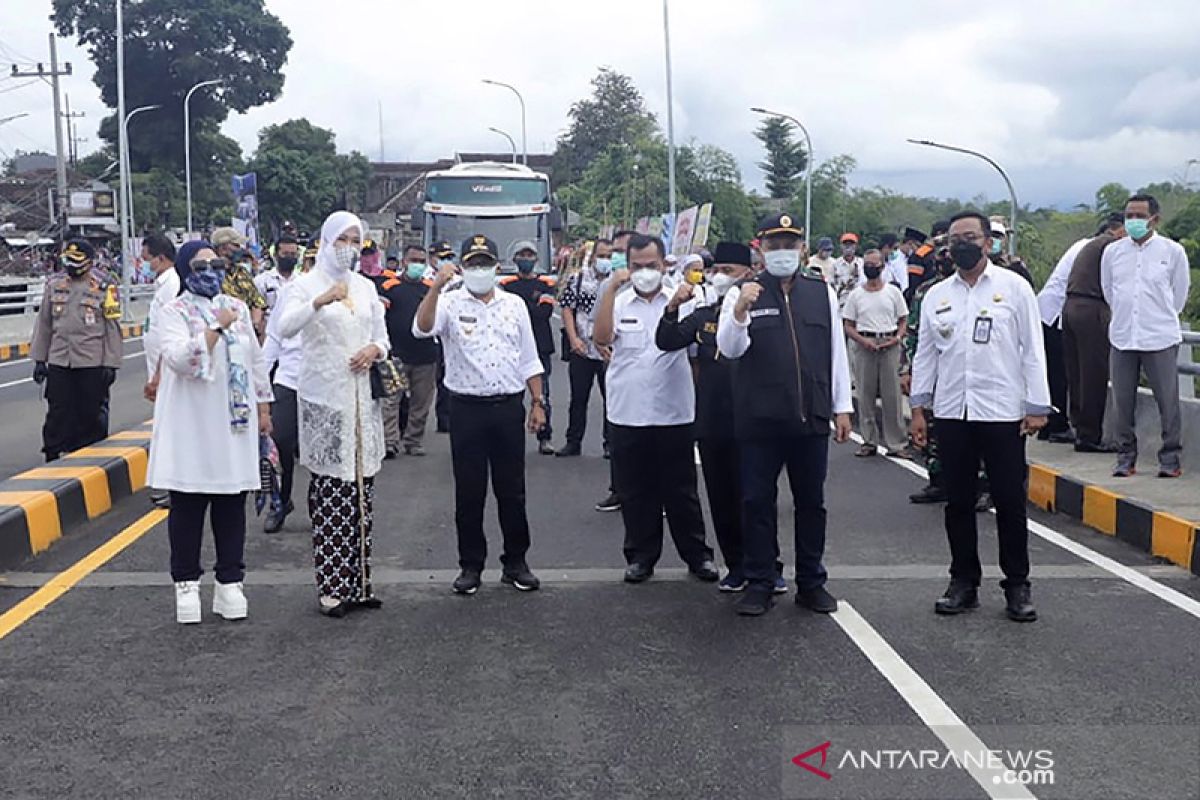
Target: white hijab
335 225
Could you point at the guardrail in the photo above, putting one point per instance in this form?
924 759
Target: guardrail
1189 370
29 299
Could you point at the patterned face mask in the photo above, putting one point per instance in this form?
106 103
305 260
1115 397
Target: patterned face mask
346 256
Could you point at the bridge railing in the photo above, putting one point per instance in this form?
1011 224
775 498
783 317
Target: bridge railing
27 300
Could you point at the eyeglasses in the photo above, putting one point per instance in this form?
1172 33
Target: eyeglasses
967 238
211 265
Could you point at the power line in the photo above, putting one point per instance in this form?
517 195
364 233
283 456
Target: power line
18 86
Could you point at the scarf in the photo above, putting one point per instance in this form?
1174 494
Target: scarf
238 383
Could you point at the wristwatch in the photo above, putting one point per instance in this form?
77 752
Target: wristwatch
539 401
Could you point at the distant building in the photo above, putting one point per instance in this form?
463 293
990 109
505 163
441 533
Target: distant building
27 163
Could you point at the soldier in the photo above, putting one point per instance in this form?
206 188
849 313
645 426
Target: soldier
239 279
76 350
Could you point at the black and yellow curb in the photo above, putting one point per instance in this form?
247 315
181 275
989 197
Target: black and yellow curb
40 505
14 352
1156 532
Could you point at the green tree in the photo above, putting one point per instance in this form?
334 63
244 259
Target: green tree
615 115
1111 197
785 159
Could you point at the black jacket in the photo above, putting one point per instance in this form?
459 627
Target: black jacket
714 372
538 294
403 297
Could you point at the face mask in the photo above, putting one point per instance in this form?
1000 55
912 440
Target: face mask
997 247
346 256
782 263
619 261
722 282
872 271
78 270
525 265
205 284
415 271
287 264
1137 228
965 254
646 280
479 281
603 266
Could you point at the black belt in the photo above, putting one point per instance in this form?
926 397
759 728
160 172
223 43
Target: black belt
877 335
1084 296
487 400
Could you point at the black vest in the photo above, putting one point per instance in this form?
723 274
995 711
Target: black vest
783 383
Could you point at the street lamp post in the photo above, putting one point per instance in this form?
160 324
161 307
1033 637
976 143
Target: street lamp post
13 117
808 165
670 117
511 143
1012 193
127 185
187 145
1186 168
524 141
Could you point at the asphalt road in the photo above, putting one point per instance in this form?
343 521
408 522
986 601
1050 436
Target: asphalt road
592 688
22 409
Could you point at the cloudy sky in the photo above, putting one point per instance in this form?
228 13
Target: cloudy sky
1066 94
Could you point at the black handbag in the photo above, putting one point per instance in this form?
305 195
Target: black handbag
386 379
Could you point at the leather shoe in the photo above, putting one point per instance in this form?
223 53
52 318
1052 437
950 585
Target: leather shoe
275 520
568 450
545 448
929 494
638 573
1061 437
1019 607
817 599
1093 447
959 597
754 603
706 571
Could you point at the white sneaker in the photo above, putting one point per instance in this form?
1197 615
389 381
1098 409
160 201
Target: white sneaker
187 602
229 601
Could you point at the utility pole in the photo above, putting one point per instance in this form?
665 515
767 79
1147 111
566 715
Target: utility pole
72 139
53 74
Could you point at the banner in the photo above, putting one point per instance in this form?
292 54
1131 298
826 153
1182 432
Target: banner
91 207
681 235
245 201
666 224
700 234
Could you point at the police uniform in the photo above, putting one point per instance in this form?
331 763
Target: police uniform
791 378
77 351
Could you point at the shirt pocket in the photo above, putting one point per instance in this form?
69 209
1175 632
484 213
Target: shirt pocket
631 334
90 307
946 323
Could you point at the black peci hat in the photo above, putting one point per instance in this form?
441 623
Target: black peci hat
732 253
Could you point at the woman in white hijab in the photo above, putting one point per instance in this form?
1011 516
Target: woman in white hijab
339 315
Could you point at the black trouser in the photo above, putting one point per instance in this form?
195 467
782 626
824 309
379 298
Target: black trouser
656 471
806 459
75 400
1056 375
1085 351
285 430
582 371
441 407
185 529
723 484
548 365
1002 448
489 435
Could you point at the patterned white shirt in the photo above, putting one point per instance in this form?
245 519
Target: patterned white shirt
488 346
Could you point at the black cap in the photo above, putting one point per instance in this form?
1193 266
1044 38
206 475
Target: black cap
888 240
79 252
941 227
441 249
914 235
479 245
777 224
369 246
732 253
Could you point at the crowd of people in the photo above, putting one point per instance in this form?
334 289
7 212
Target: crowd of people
753 355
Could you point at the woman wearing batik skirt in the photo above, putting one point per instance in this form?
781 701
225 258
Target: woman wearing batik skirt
340 317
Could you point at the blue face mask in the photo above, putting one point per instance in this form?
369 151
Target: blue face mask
619 261
1137 228
205 284
525 265
415 271
997 246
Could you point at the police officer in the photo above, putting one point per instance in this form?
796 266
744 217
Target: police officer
76 350
788 387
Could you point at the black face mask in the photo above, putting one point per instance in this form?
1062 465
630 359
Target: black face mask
965 255
872 272
287 264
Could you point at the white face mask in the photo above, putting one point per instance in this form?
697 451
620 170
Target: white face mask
646 280
346 256
603 266
782 263
479 281
721 282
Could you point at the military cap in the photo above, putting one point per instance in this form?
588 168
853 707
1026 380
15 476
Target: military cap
440 249
777 224
78 252
479 245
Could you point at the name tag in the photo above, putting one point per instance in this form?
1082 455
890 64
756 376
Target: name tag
630 321
468 320
942 310
764 312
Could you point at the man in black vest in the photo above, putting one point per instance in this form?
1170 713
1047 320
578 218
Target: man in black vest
791 380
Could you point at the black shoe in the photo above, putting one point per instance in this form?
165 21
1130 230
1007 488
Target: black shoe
468 581
983 503
706 571
929 494
610 503
754 603
959 597
1062 437
520 578
817 599
390 455
568 450
1094 447
638 573
545 448
1019 606
275 520
1043 435
368 602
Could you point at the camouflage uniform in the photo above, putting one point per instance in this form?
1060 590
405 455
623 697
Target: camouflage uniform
239 283
911 337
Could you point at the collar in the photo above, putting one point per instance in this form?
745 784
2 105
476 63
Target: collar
1146 243
662 294
988 270
163 276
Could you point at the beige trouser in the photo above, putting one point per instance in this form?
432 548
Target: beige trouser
390 408
422 383
877 375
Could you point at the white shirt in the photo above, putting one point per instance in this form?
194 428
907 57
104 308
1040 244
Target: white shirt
875 312
1146 286
1000 380
647 386
733 340
896 270
167 290
488 346
287 351
270 284
1053 295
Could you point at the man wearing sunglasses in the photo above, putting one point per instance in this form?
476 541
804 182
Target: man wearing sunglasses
76 350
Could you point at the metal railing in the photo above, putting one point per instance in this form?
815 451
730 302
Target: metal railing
14 300
1189 370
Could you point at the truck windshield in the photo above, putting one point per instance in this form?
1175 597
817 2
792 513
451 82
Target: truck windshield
472 191
504 231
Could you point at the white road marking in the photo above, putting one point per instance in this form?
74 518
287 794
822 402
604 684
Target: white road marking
1127 574
928 705
30 380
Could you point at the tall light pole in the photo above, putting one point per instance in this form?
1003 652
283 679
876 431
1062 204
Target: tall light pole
1012 193
1186 168
524 141
187 145
808 165
511 143
127 185
670 117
